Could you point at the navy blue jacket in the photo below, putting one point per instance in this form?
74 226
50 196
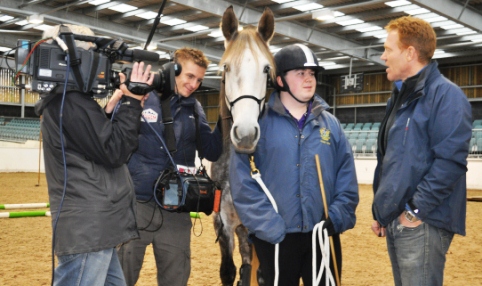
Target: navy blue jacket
426 155
285 157
150 159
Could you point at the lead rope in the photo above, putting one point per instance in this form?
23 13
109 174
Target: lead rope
255 174
324 243
323 240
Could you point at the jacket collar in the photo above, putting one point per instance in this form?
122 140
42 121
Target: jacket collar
318 106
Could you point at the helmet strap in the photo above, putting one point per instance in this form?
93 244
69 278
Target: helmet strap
286 88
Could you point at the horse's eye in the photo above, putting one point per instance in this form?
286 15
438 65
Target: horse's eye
266 69
226 68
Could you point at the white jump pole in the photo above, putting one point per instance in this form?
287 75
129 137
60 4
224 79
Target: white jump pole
24 206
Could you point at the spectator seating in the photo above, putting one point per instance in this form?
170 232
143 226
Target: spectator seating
19 129
363 138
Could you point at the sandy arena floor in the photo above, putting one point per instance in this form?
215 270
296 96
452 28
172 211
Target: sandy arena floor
26 245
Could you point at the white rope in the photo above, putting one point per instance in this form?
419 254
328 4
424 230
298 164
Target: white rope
324 243
257 177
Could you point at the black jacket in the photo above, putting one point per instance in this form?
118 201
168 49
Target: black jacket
98 210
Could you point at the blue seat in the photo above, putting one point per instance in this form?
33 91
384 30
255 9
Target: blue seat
477 122
352 135
479 146
371 146
362 135
372 135
360 144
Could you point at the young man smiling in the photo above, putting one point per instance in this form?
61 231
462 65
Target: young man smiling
168 232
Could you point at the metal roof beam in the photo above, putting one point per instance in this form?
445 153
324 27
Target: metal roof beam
295 31
454 12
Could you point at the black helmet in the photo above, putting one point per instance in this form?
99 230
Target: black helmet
296 56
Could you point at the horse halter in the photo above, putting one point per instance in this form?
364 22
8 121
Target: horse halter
266 70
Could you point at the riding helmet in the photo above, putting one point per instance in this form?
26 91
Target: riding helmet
295 56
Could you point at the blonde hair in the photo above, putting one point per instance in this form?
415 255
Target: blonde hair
190 54
81 30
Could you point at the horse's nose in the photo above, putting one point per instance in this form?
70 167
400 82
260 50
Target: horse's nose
245 141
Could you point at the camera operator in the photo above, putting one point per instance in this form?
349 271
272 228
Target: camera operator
168 232
90 191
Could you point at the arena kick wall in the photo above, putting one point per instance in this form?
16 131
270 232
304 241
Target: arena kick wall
15 157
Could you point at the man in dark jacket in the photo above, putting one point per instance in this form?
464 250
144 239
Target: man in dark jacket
423 144
90 191
168 232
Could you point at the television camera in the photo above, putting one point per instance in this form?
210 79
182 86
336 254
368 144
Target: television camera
91 70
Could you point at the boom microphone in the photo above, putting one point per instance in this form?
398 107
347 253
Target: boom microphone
141 55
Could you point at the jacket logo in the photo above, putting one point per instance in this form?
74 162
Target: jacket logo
150 115
325 136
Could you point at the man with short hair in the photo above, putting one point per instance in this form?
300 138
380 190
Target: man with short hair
168 232
423 143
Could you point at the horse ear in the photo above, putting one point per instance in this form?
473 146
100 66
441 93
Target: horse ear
266 25
229 24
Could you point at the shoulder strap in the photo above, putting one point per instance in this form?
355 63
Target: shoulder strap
198 135
168 124
75 60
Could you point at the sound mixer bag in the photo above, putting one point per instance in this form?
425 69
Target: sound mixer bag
184 192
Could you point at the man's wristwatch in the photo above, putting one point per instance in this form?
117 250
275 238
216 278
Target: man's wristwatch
410 212
411 216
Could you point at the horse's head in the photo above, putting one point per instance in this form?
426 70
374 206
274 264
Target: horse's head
248 64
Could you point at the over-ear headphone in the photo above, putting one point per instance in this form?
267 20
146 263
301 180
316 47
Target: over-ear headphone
167 83
177 69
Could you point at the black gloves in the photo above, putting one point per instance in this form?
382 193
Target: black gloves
328 225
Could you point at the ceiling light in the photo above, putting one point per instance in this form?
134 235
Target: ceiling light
216 34
43 27
462 31
123 8
308 7
417 11
197 28
397 3
281 1
98 2
5 49
152 46
431 17
172 21
22 23
5 18
369 29
378 34
323 64
452 26
349 22
147 15
475 38
35 19
323 14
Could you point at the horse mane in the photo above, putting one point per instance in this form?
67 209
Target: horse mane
233 55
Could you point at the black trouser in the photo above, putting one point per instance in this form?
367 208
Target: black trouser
295 259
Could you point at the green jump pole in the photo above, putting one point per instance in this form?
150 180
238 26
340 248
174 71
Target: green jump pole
195 215
23 214
24 206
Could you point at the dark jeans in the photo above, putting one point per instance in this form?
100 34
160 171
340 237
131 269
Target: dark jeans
295 259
